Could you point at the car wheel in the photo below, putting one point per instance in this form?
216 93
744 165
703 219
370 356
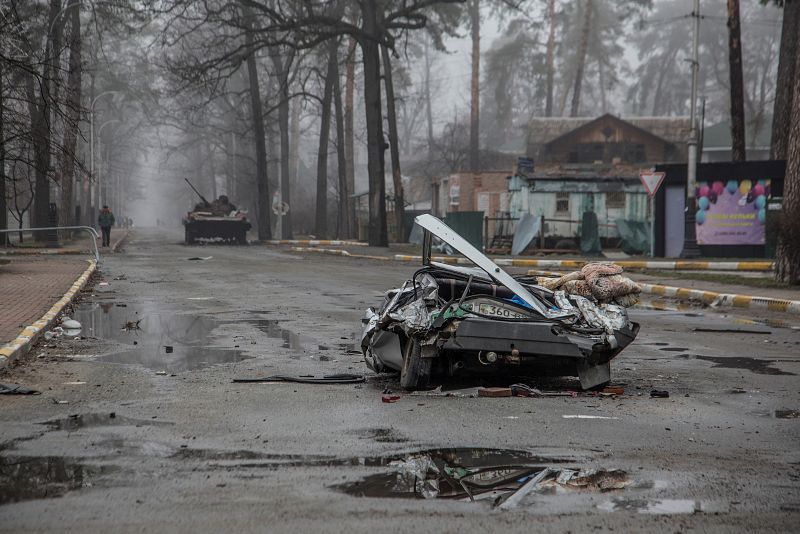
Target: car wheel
416 370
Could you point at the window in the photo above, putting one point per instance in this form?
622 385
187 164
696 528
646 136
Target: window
615 200
562 202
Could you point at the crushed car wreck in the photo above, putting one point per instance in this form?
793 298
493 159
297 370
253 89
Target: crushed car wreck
452 320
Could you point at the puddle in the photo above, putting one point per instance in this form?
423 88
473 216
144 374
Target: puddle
148 333
76 422
291 340
476 474
24 478
760 367
673 349
655 506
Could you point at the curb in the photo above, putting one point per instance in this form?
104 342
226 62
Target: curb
339 252
719 300
120 240
710 298
315 242
30 334
626 264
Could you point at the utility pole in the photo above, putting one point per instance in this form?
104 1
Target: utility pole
690 249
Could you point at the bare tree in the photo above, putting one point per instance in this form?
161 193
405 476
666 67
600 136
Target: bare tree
787 78
737 84
787 258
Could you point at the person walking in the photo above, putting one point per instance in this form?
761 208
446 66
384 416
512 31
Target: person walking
106 221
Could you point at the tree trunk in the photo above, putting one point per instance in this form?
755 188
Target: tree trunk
394 149
294 137
343 220
787 258
349 152
73 113
582 50
262 182
376 145
3 204
784 87
321 226
737 84
283 66
40 132
474 114
428 110
551 48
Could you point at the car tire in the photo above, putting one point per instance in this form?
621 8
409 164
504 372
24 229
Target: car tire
416 370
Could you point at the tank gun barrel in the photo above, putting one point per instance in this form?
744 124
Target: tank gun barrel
198 192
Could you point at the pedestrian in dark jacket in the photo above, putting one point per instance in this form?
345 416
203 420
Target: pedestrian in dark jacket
106 221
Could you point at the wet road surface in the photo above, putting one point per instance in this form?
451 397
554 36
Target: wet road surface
140 428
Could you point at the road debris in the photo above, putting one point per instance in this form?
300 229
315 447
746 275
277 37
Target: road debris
339 378
388 399
494 392
16 389
580 416
659 394
199 258
453 320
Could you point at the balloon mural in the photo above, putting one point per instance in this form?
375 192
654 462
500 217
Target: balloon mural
731 212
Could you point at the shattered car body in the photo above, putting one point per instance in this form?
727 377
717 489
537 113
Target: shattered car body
453 320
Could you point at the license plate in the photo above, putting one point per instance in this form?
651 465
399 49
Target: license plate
497 310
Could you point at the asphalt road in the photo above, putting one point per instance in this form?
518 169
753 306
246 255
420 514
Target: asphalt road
188 450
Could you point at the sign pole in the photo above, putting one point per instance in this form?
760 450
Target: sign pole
651 182
652 226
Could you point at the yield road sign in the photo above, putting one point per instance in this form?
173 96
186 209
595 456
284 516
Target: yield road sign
651 181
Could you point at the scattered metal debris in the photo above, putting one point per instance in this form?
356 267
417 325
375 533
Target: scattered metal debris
340 378
16 389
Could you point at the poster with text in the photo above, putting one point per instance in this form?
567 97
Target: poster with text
731 212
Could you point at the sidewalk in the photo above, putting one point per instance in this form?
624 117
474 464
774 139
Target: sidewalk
30 286
80 244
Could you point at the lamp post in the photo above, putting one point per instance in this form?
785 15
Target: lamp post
91 150
690 248
98 180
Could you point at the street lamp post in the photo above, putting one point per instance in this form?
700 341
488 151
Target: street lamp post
91 150
98 181
690 248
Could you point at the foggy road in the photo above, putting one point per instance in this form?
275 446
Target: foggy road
187 449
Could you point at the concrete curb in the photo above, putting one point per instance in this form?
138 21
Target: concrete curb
315 242
626 264
67 251
119 241
720 300
710 298
30 334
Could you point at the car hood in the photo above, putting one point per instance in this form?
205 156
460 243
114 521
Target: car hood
484 267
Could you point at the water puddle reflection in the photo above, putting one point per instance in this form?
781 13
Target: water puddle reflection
156 340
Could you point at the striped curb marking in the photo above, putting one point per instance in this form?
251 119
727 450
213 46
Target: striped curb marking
339 252
710 298
714 299
627 264
30 334
315 242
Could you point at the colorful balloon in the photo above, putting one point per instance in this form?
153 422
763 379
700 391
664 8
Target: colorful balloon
762 215
700 216
703 202
718 187
761 202
704 190
745 187
732 186
758 189
762 182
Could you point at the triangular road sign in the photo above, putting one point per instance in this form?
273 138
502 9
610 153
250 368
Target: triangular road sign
651 181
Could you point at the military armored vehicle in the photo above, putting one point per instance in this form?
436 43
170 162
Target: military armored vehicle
218 221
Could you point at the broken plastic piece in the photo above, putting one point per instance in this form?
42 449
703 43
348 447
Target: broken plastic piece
389 399
659 394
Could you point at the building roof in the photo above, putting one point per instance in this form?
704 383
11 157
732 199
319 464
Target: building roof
584 171
542 130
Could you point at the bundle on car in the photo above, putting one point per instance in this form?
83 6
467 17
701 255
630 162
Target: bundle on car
451 320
